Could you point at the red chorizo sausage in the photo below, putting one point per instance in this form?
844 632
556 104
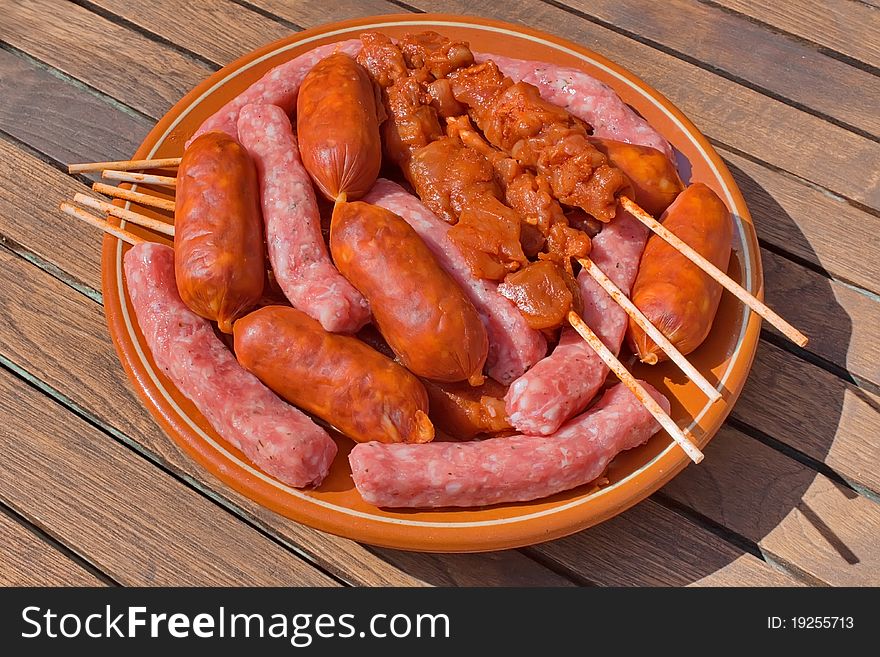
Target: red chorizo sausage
337 124
654 180
336 377
218 232
678 297
420 310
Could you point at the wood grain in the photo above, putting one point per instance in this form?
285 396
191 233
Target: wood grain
728 112
31 191
309 13
135 70
505 568
808 222
797 517
649 545
67 476
218 30
28 560
846 26
750 52
59 119
835 316
58 319
815 412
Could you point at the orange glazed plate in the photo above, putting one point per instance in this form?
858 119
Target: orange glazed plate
725 358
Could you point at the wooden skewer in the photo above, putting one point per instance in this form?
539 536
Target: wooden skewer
635 387
639 318
122 213
97 222
134 197
144 178
124 165
740 293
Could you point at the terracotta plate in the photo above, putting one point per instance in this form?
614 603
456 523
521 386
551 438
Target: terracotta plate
336 506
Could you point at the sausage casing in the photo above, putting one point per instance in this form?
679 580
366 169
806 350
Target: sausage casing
336 377
678 297
654 180
218 232
420 310
337 124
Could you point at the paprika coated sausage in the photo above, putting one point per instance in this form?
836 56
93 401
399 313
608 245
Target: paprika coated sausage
676 295
336 377
218 232
420 310
337 124
655 182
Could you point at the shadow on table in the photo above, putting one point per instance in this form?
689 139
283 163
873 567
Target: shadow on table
652 544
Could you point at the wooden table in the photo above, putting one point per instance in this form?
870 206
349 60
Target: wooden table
93 492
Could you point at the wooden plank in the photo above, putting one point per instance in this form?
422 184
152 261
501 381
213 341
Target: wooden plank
728 42
649 545
503 568
798 518
728 112
850 28
31 191
218 30
808 222
143 74
815 412
65 475
309 13
838 319
62 120
96 382
27 560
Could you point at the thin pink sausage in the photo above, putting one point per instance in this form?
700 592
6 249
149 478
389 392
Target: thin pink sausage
585 97
501 470
278 438
296 247
513 346
278 87
562 384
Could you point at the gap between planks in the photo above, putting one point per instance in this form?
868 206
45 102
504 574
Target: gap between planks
30 532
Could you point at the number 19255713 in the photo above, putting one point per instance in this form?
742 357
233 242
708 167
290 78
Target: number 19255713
810 623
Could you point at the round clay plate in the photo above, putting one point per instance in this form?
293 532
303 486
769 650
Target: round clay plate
725 357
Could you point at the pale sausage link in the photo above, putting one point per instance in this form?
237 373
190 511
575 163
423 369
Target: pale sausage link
279 439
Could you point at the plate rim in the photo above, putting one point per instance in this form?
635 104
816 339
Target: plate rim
447 538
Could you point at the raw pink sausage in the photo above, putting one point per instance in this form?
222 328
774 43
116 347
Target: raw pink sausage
513 346
278 87
501 470
279 439
297 251
585 97
562 384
